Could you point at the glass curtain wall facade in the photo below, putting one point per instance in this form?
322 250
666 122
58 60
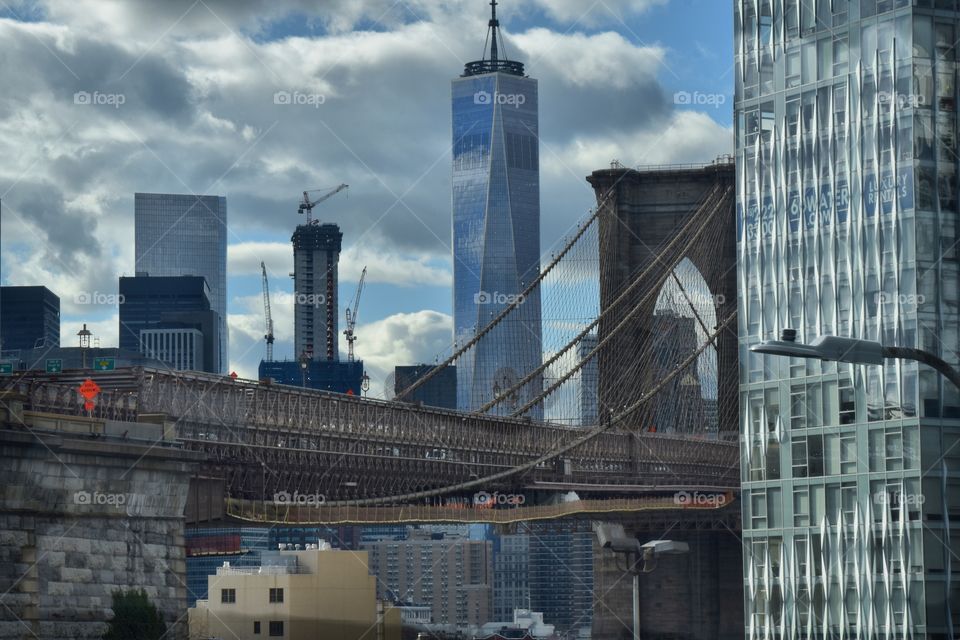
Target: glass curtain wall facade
496 233
847 225
185 235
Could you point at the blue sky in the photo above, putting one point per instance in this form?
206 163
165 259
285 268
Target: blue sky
198 115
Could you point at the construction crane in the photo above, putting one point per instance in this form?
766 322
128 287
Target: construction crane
352 317
307 205
266 312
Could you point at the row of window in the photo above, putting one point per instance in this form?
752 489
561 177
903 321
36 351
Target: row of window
229 596
891 500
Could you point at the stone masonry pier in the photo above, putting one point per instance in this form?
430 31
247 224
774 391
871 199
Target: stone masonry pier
88 507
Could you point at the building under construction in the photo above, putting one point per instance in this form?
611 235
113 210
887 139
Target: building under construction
316 258
316 363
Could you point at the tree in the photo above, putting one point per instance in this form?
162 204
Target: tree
135 617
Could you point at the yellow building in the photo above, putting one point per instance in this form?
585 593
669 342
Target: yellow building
305 594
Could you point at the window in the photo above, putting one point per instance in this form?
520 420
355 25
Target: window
256 627
228 595
276 628
276 595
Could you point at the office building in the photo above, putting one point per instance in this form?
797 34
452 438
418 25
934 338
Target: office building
588 389
186 235
680 407
29 317
440 391
316 592
511 579
181 349
316 259
338 376
170 319
560 578
496 226
453 576
846 129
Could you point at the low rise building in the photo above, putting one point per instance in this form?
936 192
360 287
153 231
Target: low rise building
311 593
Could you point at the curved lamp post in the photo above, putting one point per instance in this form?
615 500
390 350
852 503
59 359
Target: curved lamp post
853 351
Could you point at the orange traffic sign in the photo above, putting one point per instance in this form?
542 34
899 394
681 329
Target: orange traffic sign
89 389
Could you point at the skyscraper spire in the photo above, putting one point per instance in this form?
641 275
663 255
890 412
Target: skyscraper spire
493 63
494 29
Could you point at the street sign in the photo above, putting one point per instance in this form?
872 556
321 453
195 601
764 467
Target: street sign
89 389
6 368
105 364
54 366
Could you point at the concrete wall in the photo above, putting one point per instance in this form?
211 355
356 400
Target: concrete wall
82 518
698 596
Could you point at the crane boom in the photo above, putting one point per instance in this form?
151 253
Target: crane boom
268 318
307 205
352 317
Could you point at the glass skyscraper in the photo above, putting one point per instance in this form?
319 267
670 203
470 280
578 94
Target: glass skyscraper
186 235
846 127
496 225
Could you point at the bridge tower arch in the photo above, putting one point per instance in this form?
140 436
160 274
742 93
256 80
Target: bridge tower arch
642 211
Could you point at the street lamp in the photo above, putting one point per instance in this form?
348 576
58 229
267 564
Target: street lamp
851 350
613 537
304 361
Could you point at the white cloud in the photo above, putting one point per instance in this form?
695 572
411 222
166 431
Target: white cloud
591 13
688 137
402 339
602 61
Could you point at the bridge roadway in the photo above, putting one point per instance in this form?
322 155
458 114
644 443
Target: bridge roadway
266 439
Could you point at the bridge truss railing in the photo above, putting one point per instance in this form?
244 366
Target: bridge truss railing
271 438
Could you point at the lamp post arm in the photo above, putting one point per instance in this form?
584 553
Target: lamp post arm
925 357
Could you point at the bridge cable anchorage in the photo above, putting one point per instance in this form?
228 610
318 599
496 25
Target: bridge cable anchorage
491 480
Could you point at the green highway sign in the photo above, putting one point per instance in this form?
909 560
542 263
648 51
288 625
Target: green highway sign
54 366
6 368
105 364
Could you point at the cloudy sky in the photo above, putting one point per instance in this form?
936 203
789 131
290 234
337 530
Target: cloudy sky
104 98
